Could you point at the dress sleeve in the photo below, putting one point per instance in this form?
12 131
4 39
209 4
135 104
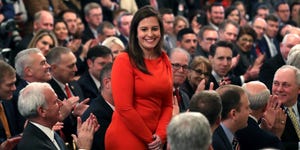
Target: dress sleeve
123 94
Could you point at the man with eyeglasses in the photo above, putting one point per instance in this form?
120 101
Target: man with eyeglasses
180 59
206 37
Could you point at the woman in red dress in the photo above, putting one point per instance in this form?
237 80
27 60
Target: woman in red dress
141 88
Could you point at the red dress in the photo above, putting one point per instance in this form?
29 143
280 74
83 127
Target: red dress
143 103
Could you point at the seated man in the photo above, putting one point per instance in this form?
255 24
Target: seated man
102 107
39 104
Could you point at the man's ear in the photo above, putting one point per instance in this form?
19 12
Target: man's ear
89 62
41 111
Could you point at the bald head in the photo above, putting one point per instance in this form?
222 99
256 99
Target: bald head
258 94
43 20
289 41
259 25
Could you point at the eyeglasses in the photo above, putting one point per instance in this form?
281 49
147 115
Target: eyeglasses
200 72
178 66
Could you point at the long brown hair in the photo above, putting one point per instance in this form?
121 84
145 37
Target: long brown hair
134 50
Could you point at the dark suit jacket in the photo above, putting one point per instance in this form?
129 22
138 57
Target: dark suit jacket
70 123
87 34
289 137
234 80
103 113
88 86
12 121
33 139
220 140
269 68
21 84
253 137
263 45
123 39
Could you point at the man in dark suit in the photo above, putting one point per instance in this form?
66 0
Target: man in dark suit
63 68
168 23
269 45
102 107
179 60
251 137
31 66
220 56
89 82
9 126
43 112
209 104
206 37
270 66
286 86
93 17
234 116
42 20
123 24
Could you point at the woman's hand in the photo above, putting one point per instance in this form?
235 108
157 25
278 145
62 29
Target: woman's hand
156 144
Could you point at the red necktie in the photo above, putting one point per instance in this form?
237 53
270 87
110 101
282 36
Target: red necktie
177 94
68 92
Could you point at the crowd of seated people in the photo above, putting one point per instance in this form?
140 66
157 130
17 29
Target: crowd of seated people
85 74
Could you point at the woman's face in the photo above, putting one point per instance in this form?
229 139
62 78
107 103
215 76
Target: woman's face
61 31
234 16
180 25
197 74
116 49
148 33
45 44
245 42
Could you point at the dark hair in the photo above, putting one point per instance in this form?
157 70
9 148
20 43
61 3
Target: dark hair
231 9
272 17
103 25
183 32
205 28
213 47
247 30
62 13
54 55
98 51
6 70
105 72
215 4
280 2
231 98
224 24
135 52
208 103
164 11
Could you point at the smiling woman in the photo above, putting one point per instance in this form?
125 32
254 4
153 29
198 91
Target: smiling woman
143 104
43 40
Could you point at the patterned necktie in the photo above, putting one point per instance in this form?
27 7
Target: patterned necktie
294 121
4 121
235 144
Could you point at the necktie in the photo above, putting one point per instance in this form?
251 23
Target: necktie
294 120
177 94
59 141
4 121
68 92
273 50
235 144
